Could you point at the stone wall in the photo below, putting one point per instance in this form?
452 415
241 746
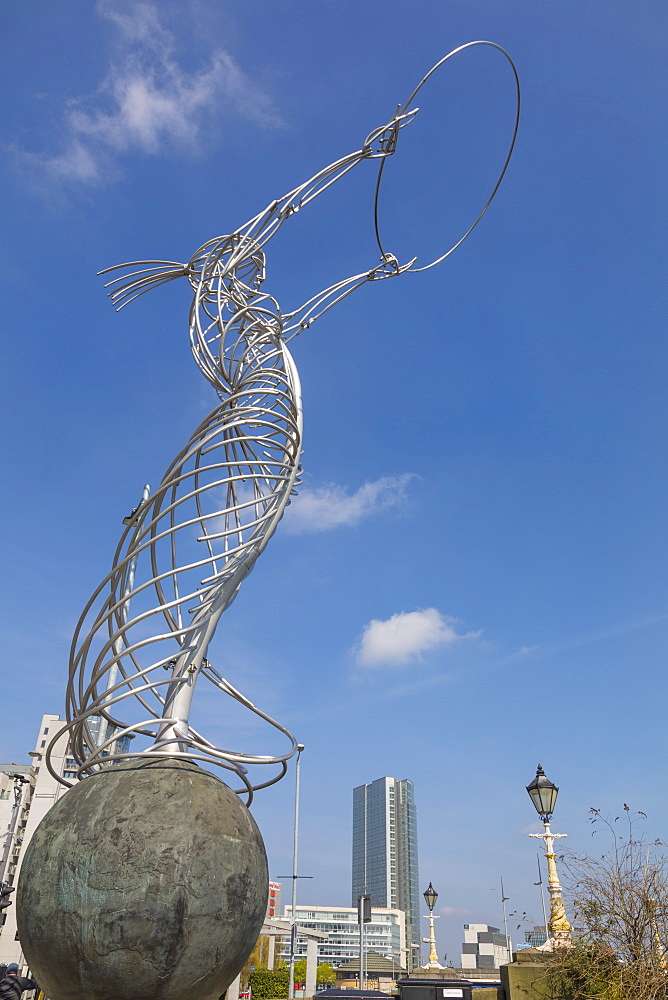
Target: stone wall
524 978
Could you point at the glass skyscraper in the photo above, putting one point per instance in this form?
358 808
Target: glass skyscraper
385 852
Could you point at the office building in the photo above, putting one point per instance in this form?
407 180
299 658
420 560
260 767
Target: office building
535 937
385 852
484 947
274 901
385 934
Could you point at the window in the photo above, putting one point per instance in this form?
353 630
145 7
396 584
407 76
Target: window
45 731
42 744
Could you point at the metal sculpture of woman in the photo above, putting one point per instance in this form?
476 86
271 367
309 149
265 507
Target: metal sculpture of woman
149 878
145 633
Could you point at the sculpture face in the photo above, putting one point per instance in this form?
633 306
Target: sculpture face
231 320
235 256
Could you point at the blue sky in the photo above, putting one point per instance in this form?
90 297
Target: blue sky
473 578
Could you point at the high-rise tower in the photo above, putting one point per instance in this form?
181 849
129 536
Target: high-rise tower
385 852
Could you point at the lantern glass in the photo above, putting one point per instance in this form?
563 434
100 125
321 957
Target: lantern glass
430 896
543 794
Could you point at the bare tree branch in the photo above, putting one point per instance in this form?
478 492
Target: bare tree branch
619 900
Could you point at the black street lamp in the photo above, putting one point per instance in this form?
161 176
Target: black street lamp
430 896
543 794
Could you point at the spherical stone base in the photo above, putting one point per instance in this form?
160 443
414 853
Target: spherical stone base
146 881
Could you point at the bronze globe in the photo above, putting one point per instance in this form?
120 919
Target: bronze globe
146 881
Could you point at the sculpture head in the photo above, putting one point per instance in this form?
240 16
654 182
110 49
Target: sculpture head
237 258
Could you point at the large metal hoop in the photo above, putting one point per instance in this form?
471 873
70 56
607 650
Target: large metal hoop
406 107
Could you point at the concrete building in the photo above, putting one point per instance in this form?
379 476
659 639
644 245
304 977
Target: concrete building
484 947
385 934
385 851
274 900
38 794
43 792
17 784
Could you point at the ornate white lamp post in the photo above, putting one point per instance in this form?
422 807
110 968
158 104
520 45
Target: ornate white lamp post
430 897
544 797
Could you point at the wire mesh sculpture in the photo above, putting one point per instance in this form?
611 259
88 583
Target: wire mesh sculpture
144 636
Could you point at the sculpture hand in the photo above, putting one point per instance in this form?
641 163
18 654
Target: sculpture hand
389 267
383 141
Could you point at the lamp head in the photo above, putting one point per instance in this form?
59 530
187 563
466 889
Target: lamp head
543 794
430 896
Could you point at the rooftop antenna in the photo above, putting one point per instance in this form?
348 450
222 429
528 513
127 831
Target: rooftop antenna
542 892
504 898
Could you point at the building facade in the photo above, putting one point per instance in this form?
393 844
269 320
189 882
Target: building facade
535 937
484 947
385 934
17 785
44 792
18 823
385 852
274 900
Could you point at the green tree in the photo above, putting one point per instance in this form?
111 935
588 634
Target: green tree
325 973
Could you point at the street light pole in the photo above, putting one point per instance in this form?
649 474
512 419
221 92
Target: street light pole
544 796
430 897
362 952
363 918
504 898
295 845
542 894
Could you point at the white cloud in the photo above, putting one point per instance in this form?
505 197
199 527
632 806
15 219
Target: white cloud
148 102
138 22
334 506
405 636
